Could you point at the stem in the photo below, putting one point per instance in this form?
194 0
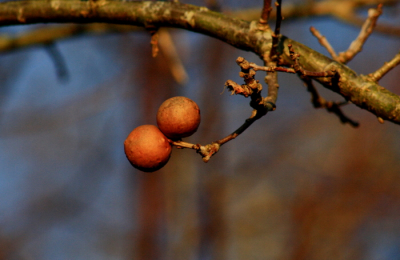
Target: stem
265 12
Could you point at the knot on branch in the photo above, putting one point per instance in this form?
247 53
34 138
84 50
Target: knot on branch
305 73
251 86
208 150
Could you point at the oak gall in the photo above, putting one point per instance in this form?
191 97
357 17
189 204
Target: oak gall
178 117
147 149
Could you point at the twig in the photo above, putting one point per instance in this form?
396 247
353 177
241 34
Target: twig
316 99
58 60
324 42
263 21
351 17
377 75
46 34
279 18
330 106
167 46
252 88
277 33
252 85
207 151
273 86
366 30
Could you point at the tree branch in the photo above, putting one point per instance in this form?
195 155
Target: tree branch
377 75
358 89
366 30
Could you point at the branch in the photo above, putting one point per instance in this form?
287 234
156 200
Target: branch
377 75
358 89
265 12
48 34
58 60
333 107
366 30
207 151
271 60
324 42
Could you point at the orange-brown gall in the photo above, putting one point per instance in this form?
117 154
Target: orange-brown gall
147 149
178 117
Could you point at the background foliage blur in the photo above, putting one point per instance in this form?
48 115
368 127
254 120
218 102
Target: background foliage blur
296 185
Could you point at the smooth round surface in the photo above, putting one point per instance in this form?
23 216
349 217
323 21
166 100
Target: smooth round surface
178 117
147 149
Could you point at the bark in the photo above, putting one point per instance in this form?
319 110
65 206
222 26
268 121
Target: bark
359 89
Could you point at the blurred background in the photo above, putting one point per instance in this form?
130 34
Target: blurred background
297 184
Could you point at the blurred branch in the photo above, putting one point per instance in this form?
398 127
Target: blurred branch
330 106
47 34
58 60
168 47
377 75
360 90
161 39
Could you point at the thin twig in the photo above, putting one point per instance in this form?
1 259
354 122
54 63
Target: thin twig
351 17
207 151
366 30
238 131
330 106
279 17
277 33
58 60
377 75
247 89
265 13
324 42
252 88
